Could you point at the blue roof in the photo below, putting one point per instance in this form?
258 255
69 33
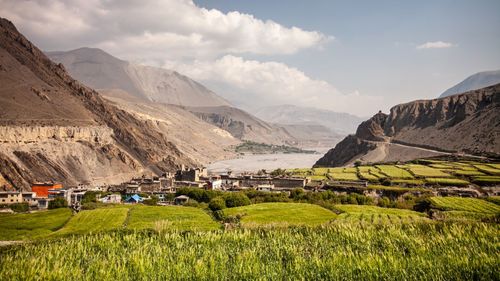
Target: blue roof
134 197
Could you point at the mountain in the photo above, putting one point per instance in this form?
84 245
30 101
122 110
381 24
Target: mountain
52 127
342 123
474 82
101 71
466 123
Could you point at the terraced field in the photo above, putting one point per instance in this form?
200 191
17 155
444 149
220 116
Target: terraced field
281 214
465 204
394 172
97 220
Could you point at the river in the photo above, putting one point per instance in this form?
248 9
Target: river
269 162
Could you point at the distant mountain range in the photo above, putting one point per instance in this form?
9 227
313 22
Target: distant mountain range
128 85
105 73
474 82
340 123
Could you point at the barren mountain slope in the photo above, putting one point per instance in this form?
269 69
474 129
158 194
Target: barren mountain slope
474 82
99 70
199 140
466 123
54 128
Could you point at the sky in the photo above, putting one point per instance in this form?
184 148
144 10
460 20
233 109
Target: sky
347 56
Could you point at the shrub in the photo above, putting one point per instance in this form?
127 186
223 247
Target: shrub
236 199
217 204
153 200
58 203
19 207
297 193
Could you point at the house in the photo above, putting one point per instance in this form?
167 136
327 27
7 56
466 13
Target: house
214 184
42 189
111 198
134 199
192 174
181 200
12 197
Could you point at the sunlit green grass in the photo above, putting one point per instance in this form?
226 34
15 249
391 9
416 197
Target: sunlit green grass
97 220
32 226
392 171
281 214
170 217
465 204
446 181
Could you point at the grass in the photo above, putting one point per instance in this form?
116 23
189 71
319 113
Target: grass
170 217
488 169
422 171
407 182
465 204
281 214
394 172
486 179
320 171
343 176
92 221
420 251
446 181
374 214
367 176
33 225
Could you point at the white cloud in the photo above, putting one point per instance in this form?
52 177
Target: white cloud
151 29
435 45
254 84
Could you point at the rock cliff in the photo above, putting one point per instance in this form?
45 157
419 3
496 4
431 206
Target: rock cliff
468 123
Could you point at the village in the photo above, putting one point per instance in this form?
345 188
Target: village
163 188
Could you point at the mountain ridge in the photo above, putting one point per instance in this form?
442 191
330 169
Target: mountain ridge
476 81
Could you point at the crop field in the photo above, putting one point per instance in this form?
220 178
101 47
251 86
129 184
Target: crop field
378 215
95 220
171 217
486 179
347 251
465 204
392 171
488 169
408 182
343 176
446 181
32 226
422 171
281 214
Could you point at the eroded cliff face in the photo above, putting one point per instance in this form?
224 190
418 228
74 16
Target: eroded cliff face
467 123
31 134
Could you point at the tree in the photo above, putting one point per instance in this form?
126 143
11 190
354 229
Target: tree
236 199
153 200
58 203
217 204
297 193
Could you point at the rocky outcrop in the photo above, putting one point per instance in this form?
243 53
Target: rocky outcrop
25 134
37 92
468 123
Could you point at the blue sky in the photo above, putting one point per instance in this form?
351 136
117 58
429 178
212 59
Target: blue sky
374 50
346 56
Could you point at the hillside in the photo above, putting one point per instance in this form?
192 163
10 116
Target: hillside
54 128
466 123
340 123
100 70
474 82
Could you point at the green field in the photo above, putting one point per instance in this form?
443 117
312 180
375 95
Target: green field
343 176
446 181
486 179
394 172
161 218
422 171
92 221
489 169
32 226
465 204
378 215
281 214
341 252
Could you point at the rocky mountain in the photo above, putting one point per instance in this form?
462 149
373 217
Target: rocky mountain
341 123
52 127
474 82
101 71
467 123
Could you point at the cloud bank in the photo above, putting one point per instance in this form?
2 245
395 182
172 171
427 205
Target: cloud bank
435 45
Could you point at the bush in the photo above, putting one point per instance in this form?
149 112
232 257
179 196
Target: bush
236 199
19 207
152 201
58 203
217 204
297 193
